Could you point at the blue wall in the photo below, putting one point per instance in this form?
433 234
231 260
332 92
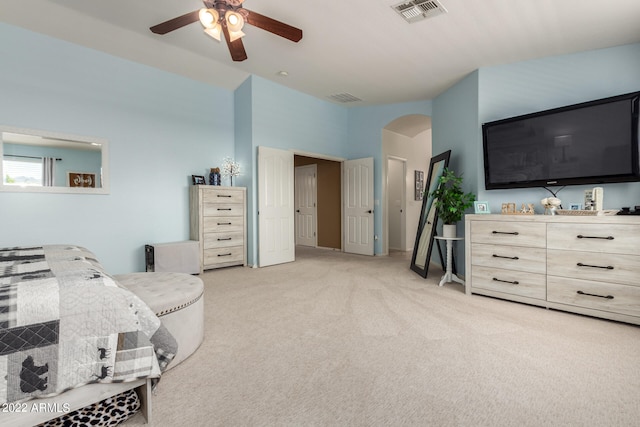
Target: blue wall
455 128
365 126
530 86
494 93
161 129
285 119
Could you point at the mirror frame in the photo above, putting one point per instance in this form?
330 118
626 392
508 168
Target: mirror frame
104 149
424 226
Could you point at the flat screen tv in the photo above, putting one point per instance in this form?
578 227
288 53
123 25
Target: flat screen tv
589 143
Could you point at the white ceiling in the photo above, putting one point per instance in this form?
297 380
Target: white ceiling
360 47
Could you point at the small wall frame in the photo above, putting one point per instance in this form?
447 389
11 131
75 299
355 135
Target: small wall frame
419 179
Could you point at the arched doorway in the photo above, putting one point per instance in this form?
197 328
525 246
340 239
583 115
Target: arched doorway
406 139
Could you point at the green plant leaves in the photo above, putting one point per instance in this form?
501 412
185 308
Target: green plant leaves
450 199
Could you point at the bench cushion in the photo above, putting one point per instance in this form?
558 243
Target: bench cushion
177 299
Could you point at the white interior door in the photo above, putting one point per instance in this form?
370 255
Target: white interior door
306 195
275 207
358 206
396 201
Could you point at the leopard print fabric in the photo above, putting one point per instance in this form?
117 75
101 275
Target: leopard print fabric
109 412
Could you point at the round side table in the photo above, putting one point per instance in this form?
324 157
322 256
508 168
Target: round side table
448 275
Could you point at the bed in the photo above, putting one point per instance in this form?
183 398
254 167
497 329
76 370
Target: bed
70 335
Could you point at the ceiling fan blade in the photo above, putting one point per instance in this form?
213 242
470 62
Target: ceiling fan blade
175 23
276 27
236 47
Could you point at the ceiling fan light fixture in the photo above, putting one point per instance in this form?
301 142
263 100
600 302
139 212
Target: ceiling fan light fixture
235 21
214 32
208 17
235 35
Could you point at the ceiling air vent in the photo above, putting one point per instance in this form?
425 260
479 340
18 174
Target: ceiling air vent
344 97
417 10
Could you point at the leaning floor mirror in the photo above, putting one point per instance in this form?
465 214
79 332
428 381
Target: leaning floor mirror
428 216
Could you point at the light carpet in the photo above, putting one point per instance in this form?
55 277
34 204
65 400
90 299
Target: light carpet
335 339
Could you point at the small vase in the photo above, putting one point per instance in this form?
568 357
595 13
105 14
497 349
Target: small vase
449 230
214 178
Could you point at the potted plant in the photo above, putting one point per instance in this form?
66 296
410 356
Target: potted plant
451 201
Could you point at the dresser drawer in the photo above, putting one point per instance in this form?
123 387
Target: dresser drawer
223 240
532 260
216 256
215 195
595 295
610 268
610 238
509 233
222 209
509 282
212 224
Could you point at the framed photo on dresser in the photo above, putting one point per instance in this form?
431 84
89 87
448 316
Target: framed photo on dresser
198 180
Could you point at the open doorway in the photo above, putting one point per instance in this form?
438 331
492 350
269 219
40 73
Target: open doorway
407 137
328 209
396 203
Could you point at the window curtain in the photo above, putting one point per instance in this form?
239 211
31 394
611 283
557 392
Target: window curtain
48 171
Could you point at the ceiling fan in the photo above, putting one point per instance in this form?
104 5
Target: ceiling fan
228 17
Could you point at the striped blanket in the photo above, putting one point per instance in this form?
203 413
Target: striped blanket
64 323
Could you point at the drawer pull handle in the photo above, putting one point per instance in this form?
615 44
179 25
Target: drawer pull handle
224 209
580 236
606 267
515 282
224 223
515 233
505 257
223 195
595 295
220 240
229 254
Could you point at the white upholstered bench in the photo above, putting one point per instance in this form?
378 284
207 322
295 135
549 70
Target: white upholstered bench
177 299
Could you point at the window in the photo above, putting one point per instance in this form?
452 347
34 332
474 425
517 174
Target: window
22 172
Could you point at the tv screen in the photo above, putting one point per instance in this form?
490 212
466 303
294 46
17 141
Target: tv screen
590 143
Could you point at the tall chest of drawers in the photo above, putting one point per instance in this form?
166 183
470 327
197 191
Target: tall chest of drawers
588 265
218 222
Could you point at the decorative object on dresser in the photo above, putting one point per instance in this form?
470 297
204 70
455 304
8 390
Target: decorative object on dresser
198 180
582 264
214 177
510 209
230 168
481 207
218 222
551 205
586 212
627 211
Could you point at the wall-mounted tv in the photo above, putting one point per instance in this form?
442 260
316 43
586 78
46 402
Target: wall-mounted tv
589 143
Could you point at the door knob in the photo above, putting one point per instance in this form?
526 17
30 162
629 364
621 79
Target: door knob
369 211
298 210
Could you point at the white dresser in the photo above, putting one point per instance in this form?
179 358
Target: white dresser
583 264
218 222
